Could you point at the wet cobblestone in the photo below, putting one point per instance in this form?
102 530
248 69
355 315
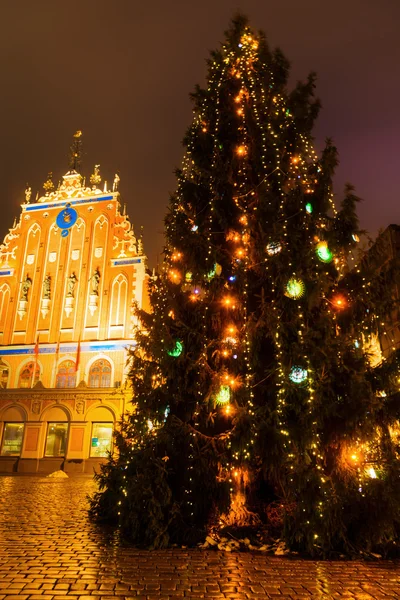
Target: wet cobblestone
49 549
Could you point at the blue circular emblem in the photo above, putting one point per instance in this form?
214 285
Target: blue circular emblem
67 217
64 233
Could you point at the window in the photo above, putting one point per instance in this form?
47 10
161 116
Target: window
66 375
100 374
101 439
12 439
56 442
4 372
26 375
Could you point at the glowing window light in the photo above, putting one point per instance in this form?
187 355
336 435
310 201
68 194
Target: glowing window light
224 395
176 350
295 288
372 473
273 248
309 208
298 374
323 252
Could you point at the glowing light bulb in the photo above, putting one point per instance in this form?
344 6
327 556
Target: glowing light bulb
298 374
339 301
229 302
241 150
224 394
295 288
323 252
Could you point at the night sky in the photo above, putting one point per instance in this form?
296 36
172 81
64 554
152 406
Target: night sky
121 71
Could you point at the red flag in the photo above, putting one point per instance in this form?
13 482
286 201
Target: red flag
78 355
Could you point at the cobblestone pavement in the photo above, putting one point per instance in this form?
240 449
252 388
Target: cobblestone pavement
49 549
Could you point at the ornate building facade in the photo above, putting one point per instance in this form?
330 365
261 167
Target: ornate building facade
71 270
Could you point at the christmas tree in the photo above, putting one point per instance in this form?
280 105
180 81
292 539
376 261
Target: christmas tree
257 399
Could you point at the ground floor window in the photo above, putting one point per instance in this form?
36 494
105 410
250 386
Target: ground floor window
12 439
101 439
56 442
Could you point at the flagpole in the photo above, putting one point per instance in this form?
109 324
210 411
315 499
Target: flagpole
56 360
36 352
78 356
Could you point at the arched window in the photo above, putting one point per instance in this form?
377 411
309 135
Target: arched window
119 295
26 379
4 305
100 374
66 375
4 373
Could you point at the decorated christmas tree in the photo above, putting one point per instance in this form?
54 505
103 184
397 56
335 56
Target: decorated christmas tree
257 400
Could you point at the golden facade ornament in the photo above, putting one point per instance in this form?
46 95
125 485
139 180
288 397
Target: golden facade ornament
28 194
48 185
117 179
95 178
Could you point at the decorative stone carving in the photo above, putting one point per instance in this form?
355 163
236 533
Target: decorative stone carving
45 307
69 305
26 284
28 194
93 299
47 287
22 306
80 406
36 407
72 279
95 280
